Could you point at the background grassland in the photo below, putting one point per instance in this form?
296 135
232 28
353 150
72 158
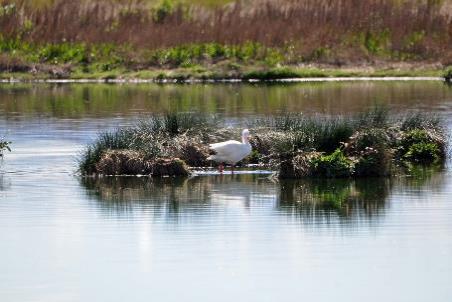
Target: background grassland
258 38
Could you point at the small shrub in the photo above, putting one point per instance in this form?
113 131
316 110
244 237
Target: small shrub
422 146
447 75
423 152
373 162
4 145
334 165
414 137
162 11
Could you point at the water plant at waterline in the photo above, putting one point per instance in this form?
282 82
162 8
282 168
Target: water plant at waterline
447 75
4 145
296 146
161 145
380 145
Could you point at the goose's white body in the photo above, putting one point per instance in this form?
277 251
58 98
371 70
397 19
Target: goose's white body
231 151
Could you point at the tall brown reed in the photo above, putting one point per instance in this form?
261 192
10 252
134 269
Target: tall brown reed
313 30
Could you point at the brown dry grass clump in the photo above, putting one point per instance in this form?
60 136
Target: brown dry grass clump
128 162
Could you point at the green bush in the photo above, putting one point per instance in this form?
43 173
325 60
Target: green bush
423 153
416 136
422 146
162 10
64 52
4 145
334 165
447 75
373 162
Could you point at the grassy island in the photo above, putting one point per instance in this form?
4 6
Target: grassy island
295 146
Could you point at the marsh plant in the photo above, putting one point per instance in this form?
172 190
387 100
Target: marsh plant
4 146
373 143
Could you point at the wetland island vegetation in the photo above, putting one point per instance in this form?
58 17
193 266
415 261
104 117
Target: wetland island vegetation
373 143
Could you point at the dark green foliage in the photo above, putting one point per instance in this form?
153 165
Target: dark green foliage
4 145
188 55
423 152
372 152
415 136
448 74
270 74
373 162
162 11
422 146
62 53
335 165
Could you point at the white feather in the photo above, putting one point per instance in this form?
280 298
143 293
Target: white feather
231 151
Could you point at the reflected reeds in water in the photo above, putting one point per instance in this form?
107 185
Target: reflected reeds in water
313 201
175 196
325 200
231 100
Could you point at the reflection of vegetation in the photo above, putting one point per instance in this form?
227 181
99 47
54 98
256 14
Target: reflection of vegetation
352 200
102 100
348 199
171 194
4 183
311 200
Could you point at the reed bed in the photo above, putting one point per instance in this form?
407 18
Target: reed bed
141 33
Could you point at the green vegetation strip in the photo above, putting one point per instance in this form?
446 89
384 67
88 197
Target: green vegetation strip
25 61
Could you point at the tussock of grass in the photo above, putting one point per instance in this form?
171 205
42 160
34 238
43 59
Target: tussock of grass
369 144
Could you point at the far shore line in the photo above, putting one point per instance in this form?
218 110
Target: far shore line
225 80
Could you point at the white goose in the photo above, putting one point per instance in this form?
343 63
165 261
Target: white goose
231 152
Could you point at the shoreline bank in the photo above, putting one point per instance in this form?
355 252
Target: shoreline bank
224 80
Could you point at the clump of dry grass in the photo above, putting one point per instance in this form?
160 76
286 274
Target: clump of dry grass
128 162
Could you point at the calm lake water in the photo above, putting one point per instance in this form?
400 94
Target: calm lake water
228 238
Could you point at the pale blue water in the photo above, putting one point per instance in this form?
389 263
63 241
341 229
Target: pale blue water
212 238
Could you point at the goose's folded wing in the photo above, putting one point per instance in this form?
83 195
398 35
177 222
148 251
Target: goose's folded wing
225 147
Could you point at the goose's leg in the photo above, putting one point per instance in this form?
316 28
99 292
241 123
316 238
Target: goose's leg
232 169
221 168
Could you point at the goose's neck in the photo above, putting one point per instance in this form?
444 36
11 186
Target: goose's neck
245 140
